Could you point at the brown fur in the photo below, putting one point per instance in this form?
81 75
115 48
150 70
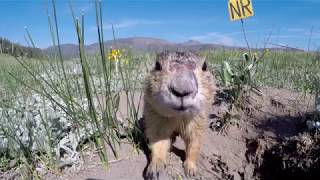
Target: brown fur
161 123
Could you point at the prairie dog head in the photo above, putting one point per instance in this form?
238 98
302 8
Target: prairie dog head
180 84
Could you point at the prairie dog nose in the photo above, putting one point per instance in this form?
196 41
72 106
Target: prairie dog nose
184 84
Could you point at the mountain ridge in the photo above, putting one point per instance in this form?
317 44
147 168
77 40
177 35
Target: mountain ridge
140 44
145 44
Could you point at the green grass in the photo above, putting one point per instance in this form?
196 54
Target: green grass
24 80
291 70
9 64
298 71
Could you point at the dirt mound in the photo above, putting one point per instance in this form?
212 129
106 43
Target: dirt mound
266 143
297 158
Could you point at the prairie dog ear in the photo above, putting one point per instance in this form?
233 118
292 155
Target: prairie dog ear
204 66
201 61
158 66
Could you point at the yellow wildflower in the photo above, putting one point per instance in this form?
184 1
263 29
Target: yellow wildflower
114 55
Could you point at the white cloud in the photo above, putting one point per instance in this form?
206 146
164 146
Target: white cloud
215 37
240 32
87 8
130 23
296 30
298 33
314 36
288 36
221 38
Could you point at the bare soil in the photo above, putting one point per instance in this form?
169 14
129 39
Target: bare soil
267 142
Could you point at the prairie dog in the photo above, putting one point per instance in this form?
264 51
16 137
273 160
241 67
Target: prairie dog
178 94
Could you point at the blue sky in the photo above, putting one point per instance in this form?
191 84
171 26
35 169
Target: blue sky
286 22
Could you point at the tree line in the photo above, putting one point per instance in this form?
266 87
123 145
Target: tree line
15 49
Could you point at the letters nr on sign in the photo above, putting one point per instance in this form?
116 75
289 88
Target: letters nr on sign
240 9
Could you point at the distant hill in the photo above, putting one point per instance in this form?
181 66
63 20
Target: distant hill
67 50
140 44
143 44
15 49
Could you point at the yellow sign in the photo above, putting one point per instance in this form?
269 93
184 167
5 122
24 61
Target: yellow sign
240 9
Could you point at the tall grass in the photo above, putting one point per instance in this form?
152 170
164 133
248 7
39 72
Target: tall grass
89 100
100 121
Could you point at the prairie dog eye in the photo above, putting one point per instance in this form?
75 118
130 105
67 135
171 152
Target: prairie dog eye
158 66
204 66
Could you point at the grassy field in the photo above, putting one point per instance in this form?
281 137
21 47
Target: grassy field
291 70
39 91
49 107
